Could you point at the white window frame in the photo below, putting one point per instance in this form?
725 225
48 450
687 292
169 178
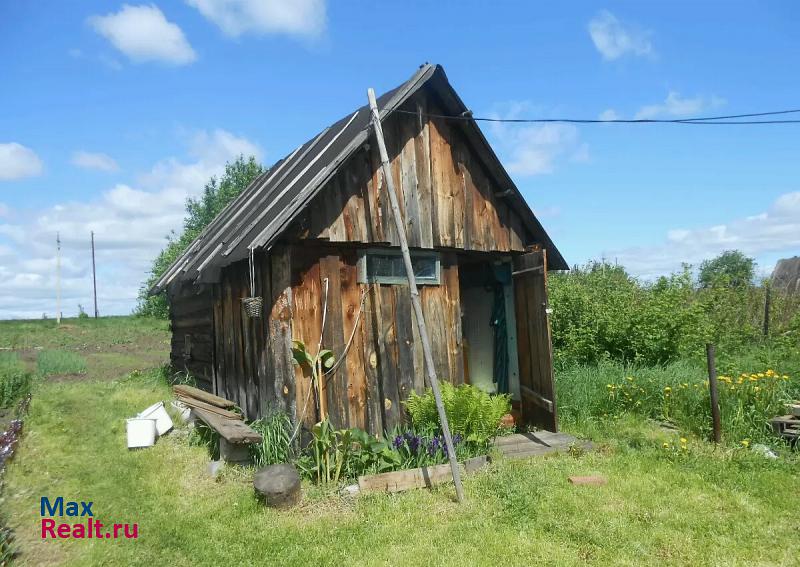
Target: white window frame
363 276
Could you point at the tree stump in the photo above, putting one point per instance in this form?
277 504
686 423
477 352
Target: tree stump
278 485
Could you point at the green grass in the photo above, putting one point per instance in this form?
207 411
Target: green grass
662 505
695 507
51 362
79 333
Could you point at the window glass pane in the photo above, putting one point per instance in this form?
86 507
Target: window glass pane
391 268
424 267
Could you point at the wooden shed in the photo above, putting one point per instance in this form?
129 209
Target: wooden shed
320 218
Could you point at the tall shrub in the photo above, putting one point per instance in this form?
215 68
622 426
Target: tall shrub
199 213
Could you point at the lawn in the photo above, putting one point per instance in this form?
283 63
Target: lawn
695 506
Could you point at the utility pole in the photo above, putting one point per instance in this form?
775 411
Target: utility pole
58 278
94 279
412 286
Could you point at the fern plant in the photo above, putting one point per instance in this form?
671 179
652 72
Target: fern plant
470 411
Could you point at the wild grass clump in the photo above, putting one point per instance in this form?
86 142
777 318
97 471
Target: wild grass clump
678 393
60 362
276 433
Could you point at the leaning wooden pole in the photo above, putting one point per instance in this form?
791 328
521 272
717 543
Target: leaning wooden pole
412 285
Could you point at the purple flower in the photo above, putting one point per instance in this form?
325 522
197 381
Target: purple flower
413 443
398 441
434 446
457 438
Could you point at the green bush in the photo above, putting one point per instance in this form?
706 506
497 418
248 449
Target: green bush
15 381
601 313
14 385
471 412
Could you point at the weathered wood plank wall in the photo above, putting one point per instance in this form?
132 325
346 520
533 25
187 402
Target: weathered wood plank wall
384 362
192 348
447 198
253 365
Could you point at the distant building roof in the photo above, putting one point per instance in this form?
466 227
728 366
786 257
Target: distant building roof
786 275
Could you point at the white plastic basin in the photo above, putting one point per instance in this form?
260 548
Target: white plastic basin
141 432
159 413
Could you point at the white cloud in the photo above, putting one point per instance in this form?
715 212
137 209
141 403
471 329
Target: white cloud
536 149
17 161
676 106
613 39
89 160
144 34
609 114
304 18
129 222
776 230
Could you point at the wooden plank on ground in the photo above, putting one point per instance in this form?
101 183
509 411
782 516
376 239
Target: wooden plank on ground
203 396
232 430
397 481
191 402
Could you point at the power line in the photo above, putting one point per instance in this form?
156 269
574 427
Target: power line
705 120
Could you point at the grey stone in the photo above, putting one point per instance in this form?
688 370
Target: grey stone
237 453
278 485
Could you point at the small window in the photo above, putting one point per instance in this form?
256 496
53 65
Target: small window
386 266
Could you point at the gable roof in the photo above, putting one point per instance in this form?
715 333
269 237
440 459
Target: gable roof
260 214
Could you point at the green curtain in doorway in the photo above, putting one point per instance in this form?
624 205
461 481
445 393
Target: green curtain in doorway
502 277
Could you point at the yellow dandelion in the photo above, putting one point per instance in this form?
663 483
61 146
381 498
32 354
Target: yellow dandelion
745 443
785 376
665 445
684 440
667 389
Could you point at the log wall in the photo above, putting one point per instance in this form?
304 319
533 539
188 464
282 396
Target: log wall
253 365
192 333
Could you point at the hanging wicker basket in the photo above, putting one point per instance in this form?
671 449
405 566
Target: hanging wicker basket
252 306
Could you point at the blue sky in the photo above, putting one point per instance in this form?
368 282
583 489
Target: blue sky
114 113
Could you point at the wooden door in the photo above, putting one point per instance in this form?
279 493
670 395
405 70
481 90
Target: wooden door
537 387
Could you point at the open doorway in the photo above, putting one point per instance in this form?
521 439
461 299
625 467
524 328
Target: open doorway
488 326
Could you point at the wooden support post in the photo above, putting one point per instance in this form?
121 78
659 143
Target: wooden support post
412 285
712 388
766 309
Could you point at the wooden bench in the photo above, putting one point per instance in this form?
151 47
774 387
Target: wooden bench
234 434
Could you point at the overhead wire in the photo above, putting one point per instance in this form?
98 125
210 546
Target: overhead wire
731 119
